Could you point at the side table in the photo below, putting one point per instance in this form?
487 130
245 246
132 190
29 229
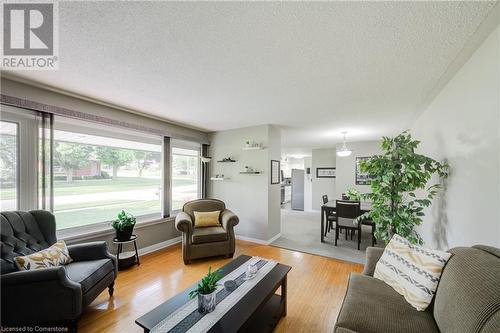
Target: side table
129 258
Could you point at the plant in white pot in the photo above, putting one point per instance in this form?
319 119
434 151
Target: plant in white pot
399 180
206 291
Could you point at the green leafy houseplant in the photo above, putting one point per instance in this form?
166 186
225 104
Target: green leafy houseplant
208 284
395 177
353 194
124 225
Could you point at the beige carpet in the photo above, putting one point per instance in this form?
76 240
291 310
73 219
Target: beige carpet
300 231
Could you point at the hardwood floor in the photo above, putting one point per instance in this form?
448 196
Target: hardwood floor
316 287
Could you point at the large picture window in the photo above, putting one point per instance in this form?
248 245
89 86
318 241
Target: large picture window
86 172
97 173
9 165
185 175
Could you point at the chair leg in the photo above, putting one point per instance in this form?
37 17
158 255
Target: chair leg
352 232
336 233
346 233
111 288
359 238
326 227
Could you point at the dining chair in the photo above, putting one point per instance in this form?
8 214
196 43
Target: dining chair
330 218
347 212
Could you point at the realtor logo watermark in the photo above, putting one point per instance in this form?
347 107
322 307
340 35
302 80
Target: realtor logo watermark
30 36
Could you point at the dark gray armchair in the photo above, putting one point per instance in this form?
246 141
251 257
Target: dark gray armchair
52 296
208 241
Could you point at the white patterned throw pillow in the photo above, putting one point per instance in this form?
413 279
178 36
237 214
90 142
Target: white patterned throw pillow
56 255
413 271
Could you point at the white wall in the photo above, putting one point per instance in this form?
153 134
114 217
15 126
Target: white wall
322 158
274 191
308 184
346 166
462 126
251 197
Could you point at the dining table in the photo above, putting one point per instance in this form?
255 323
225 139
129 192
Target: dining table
330 207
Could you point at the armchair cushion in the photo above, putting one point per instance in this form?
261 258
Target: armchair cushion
206 219
89 273
209 235
55 255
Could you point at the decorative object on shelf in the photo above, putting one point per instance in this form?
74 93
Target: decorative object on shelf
330 172
396 209
251 145
124 225
275 172
362 178
248 168
219 177
226 159
207 291
344 151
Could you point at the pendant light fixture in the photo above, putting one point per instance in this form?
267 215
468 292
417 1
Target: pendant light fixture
344 151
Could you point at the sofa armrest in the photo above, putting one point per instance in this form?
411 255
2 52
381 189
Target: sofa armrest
228 219
183 223
373 255
91 251
28 297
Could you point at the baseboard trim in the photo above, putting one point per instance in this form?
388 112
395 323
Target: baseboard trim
158 246
274 238
258 241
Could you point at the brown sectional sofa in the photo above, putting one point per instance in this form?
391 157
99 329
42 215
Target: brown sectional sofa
467 298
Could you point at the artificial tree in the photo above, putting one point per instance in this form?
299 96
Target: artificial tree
398 180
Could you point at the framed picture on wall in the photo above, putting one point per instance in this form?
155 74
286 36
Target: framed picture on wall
361 177
326 172
275 172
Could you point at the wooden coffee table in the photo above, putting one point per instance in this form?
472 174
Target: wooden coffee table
258 311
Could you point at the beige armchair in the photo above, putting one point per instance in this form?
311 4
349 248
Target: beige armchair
208 241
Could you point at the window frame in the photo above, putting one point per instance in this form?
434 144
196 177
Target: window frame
27 155
189 146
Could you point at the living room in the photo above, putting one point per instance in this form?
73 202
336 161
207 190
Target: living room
142 145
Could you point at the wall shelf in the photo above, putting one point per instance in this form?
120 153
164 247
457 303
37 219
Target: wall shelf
219 178
251 172
226 161
254 148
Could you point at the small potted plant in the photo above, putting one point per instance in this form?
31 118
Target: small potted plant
353 194
124 225
207 291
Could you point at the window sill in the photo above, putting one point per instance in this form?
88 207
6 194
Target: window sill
72 235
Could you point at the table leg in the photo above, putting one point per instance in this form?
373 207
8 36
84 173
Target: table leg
322 224
136 253
283 295
118 252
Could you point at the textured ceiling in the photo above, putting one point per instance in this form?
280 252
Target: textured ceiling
314 68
